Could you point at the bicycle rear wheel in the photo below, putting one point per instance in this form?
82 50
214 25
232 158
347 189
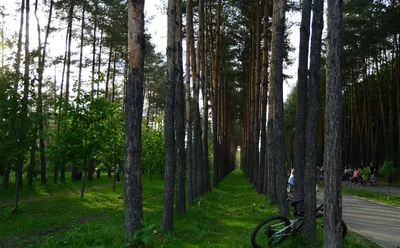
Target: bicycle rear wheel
320 223
270 232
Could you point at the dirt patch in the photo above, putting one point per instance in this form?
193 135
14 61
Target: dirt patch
40 235
36 198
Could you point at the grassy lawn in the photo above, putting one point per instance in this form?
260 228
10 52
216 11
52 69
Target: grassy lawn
55 216
381 197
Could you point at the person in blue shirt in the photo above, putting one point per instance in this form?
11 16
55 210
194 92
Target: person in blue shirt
291 180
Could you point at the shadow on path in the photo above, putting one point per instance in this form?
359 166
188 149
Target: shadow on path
378 222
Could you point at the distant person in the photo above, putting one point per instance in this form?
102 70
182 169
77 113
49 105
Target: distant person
291 180
356 176
373 180
117 172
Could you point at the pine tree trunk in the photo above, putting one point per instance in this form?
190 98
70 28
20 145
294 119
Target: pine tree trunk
257 82
94 49
169 127
309 228
108 72
197 122
57 165
133 122
189 148
90 169
114 72
99 64
24 103
333 129
278 134
40 101
190 37
2 42
215 106
251 95
84 181
272 179
32 163
18 167
6 177
299 151
203 80
263 160
81 51
70 20
31 168
397 41
179 117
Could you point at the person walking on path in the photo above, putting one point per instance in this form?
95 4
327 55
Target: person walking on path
356 176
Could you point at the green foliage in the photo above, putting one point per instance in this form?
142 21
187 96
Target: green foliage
365 174
388 168
153 150
142 236
92 127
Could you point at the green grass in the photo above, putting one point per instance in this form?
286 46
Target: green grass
55 216
381 197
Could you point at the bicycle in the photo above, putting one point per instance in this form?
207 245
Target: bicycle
274 230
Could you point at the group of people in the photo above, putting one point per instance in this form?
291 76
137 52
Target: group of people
351 174
356 177
319 177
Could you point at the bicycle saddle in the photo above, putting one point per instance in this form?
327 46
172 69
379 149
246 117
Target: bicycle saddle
295 202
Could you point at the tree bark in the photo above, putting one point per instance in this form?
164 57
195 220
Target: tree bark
99 64
299 151
94 47
257 82
215 96
312 124
271 192
189 150
108 72
84 181
197 123
263 157
179 117
81 51
203 80
133 121
333 129
70 20
169 127
40 101
114 74
192 52
17 132
31 168
278 134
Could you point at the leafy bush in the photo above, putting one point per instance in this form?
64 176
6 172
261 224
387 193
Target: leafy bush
365 174
388 169
153 151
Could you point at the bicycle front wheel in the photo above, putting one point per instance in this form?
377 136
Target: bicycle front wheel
270 232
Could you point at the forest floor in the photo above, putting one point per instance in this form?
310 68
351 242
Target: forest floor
55 216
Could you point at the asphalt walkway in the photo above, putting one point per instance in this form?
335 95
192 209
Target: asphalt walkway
376 221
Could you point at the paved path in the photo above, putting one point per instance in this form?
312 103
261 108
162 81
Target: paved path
378 222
